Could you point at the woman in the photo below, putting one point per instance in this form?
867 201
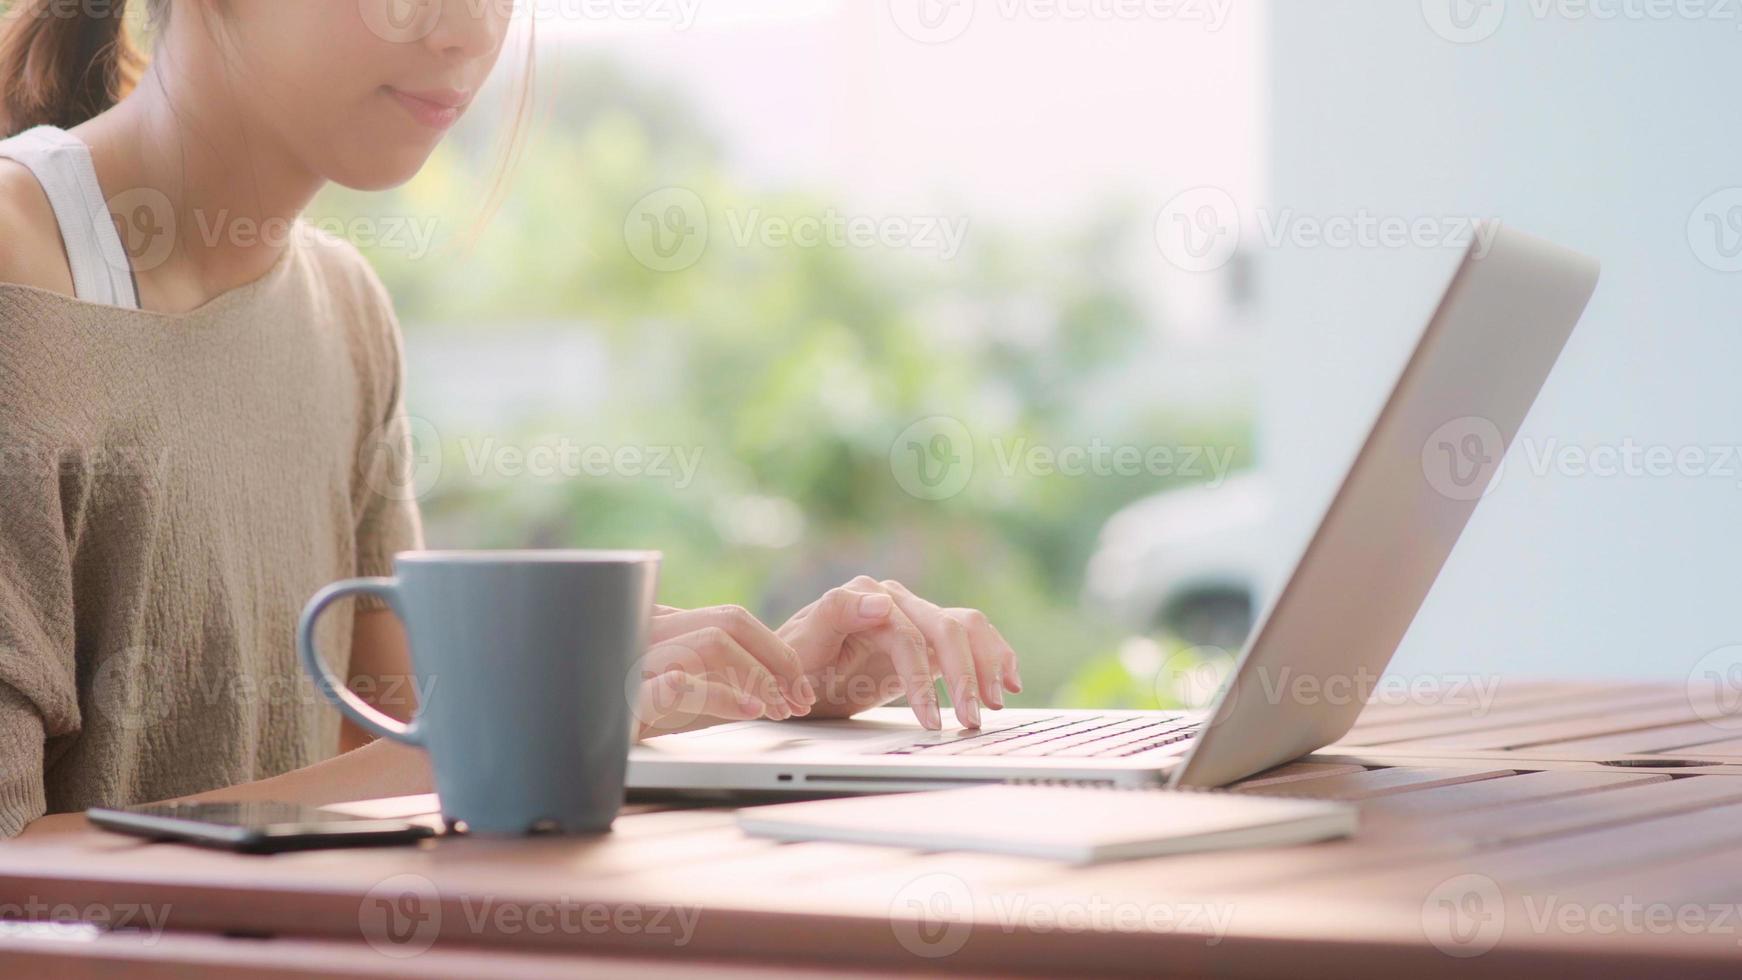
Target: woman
188 404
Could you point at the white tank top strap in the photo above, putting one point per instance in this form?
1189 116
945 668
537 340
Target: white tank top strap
62 165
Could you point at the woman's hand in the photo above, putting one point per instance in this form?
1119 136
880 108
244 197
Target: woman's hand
715 664
869 642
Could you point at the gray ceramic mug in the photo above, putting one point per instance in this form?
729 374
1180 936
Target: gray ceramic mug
520 657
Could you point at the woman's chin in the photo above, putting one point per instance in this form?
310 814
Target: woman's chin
385 167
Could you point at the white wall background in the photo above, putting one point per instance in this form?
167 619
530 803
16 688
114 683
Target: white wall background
1606 134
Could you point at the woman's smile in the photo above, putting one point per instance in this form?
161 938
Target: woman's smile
438 109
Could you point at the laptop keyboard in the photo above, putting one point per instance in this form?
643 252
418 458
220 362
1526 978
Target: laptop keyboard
1060 737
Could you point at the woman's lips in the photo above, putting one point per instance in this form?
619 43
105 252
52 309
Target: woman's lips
437 108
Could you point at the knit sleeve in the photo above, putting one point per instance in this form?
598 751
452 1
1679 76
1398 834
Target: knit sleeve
38 689
396 453
388 521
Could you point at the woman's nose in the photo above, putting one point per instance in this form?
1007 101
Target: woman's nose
470 28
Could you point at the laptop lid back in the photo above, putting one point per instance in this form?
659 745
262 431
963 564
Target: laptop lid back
1329 634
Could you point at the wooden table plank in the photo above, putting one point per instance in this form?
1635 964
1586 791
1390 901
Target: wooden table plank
1545 733
1507 692
1525 787
1296 772
1374 783
193 957
1539 862
1723 749
1617 703
1651 740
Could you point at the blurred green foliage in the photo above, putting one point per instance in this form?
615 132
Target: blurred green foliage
792 370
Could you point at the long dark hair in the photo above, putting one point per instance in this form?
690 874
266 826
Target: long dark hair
64 61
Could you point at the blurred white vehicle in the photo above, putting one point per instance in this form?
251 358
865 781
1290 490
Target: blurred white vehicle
1190 562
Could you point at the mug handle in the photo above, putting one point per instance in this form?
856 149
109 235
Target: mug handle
330 685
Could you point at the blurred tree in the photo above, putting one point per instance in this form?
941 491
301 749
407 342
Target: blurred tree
791 370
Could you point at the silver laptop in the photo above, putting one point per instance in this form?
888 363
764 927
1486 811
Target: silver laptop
1360 580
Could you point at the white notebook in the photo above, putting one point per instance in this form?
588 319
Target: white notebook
1082 825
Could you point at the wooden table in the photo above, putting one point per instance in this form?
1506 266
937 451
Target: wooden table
1584 829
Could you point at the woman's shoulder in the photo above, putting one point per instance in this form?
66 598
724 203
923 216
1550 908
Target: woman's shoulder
336 259
31 253
346 276
359 302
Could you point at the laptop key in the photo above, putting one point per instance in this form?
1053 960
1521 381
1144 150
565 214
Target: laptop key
1117 746
1118 731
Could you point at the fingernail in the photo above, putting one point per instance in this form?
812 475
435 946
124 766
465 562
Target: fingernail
806 692
929 717
779 711
996 699
971 712
1015 681
875 606
751 704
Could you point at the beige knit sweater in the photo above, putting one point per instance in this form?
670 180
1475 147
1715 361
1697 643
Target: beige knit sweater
172 490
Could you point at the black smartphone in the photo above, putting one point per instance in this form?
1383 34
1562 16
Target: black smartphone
255 828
